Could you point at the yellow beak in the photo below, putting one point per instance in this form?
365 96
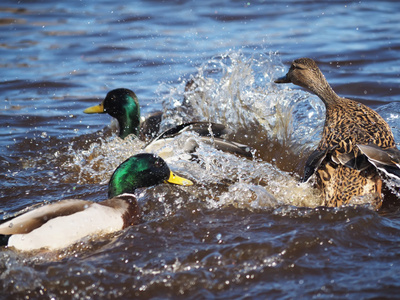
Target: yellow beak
97 109
178 180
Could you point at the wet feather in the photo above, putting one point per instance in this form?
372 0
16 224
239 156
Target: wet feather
343 171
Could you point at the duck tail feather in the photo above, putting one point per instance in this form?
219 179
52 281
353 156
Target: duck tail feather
230 146
386 160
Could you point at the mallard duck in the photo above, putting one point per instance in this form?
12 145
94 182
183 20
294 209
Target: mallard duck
63 223
356 141
123 105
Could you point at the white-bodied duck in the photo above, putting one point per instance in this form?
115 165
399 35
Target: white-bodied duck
61 224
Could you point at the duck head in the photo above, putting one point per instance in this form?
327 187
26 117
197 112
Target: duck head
123 105
142 170
304 72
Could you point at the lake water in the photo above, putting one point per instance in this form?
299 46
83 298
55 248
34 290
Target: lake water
246 229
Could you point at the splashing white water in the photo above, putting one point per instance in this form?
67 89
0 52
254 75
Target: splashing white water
237 91
96 164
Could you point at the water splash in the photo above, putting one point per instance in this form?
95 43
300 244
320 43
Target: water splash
391 114
244 195
96 163
393 184
235 90
238 91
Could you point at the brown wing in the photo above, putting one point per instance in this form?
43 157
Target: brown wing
349 124
386 160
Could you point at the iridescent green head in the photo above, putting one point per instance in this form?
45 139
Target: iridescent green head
142 170
123 105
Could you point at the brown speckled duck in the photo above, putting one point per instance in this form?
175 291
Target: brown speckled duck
355 144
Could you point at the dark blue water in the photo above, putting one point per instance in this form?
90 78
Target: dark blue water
246 229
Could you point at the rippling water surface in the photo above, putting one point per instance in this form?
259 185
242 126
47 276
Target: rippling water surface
246 229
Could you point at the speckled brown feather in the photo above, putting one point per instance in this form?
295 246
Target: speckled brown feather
345 172
349 123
